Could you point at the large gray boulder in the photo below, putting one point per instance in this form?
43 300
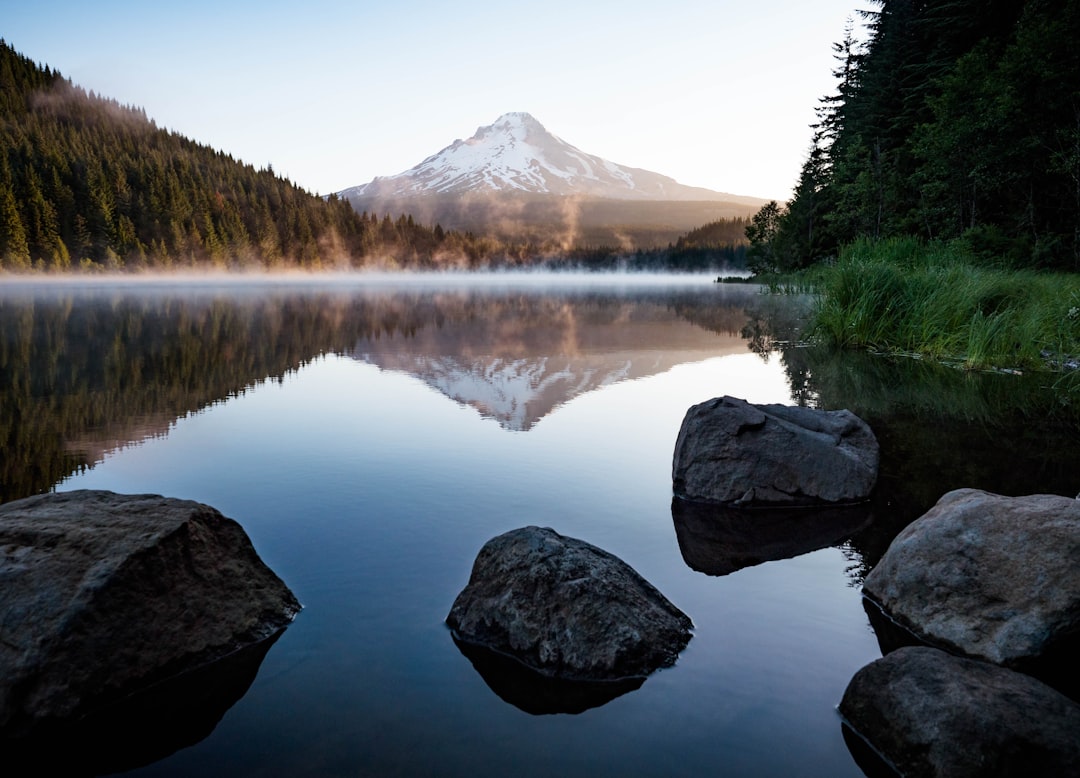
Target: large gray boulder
933 714
988 576
103 595
567 609
733 452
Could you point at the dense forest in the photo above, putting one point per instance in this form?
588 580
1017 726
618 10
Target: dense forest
88 184
718 245
953 119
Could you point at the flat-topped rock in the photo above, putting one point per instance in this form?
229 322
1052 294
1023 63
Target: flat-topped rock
733 452
567 609
990 577
102 595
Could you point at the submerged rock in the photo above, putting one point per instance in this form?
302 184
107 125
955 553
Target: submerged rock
932 714
732 452
990 577
567 609
105 595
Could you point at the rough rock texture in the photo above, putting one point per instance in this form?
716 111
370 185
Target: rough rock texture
730 451
567 609
102 594
988 576
933 714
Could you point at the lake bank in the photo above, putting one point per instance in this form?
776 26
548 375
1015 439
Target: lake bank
934 301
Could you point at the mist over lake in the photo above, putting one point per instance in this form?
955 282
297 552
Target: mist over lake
371 435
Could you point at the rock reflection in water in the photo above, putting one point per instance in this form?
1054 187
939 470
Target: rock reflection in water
873 764
538 694
142 728
890 634
941 429
717 540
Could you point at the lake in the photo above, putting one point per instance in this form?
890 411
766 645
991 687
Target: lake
370 434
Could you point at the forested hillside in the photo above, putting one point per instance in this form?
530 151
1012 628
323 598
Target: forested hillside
952 119
722 232
88 183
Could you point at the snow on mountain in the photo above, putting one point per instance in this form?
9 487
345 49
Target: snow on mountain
518 368
517 154
518 393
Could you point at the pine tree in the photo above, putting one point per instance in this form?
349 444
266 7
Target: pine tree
14 249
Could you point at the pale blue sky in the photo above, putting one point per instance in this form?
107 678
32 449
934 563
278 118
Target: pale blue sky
334 92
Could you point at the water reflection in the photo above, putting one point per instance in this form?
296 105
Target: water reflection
938 428
872 763
717 540
538 694
941 429
84 372
516 358
142 728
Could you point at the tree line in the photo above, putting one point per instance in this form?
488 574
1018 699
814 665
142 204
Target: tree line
89 184
718 245
952 119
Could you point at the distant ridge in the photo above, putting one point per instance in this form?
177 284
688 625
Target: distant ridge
516 153
516 180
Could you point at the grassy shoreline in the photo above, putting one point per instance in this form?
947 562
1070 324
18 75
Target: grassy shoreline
935 301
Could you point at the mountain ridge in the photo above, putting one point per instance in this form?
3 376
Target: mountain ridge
516 181
517 154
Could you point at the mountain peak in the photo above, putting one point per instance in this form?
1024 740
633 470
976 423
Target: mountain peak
512 128
515 117
516 153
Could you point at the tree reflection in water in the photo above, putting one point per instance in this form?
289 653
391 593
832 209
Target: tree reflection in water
939 428
85 371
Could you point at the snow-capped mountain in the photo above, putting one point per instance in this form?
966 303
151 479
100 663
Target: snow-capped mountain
516 154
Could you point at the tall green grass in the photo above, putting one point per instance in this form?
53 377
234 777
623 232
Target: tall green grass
932 300
796 282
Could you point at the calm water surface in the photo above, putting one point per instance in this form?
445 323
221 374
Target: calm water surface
370 437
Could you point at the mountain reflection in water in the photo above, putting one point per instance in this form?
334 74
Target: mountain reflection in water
85 371
517 358
370 437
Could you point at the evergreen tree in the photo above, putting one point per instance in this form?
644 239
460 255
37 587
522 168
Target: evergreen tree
955 119
765 253
14 249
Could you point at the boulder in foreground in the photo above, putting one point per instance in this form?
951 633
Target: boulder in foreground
106 594
567 609
732 452
933 714
990 577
